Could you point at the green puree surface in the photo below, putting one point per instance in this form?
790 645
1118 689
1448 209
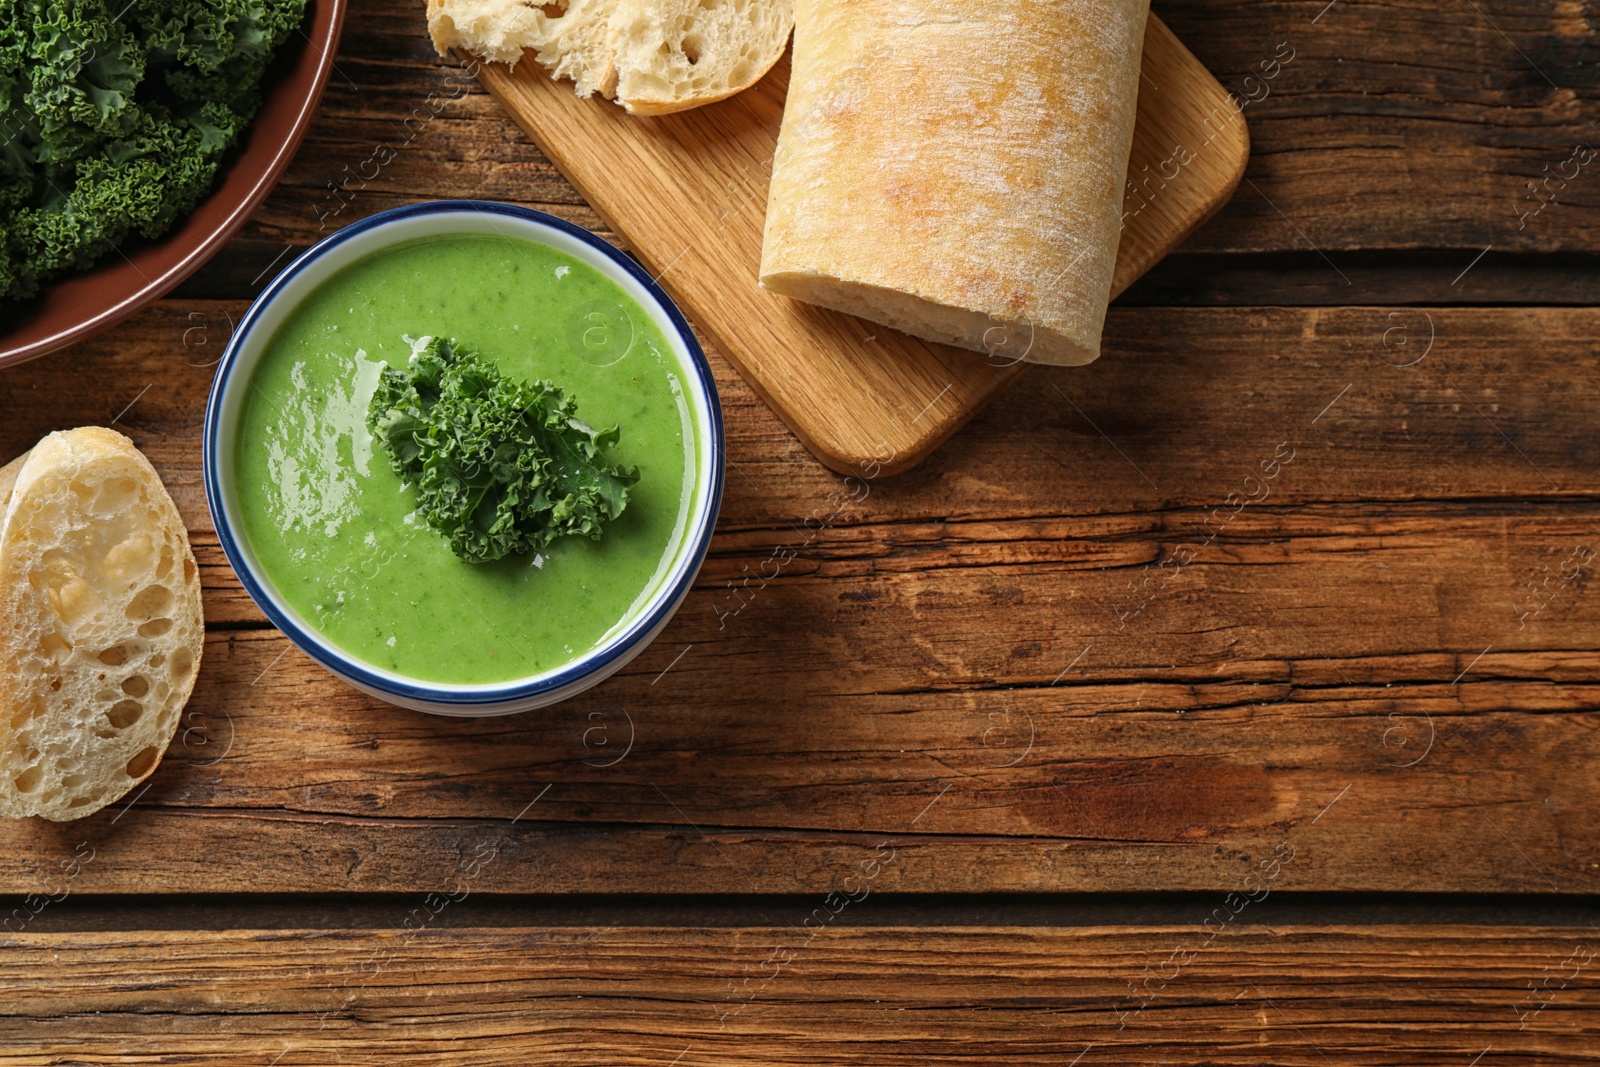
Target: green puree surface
336 533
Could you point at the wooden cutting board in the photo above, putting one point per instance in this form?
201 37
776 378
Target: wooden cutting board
688 194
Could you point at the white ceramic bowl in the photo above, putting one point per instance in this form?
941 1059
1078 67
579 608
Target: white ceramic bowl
400 226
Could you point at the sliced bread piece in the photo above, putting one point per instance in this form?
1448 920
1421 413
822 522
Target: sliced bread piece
8 480
651 56
100 625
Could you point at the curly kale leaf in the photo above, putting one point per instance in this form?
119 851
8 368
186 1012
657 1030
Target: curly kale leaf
115 117
82 68
215 50
140 184
499 466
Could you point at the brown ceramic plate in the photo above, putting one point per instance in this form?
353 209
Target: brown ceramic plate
75 306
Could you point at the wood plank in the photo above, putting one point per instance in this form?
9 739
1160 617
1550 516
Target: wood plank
1405 125
1193 398
304 785
785 995
1012 589
1393 126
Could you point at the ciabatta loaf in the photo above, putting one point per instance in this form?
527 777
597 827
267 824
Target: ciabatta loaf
100 624
651 56
956 170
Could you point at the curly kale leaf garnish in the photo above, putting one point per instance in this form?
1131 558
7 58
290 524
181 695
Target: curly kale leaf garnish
499 466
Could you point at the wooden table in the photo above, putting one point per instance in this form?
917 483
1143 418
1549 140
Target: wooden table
1231 700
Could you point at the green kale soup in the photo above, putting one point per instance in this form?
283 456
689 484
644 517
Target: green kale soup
338 534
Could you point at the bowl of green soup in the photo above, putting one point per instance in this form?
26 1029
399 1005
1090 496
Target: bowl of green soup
465 455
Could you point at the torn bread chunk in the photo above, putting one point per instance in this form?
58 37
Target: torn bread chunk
650 56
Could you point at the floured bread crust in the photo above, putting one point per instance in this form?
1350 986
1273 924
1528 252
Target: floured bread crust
956 171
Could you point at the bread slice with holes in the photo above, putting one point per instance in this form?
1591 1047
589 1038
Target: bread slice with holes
650 56
100 624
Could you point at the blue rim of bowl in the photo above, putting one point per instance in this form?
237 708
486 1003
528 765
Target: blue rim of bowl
347 665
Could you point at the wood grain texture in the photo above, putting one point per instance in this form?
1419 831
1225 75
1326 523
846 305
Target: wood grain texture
1493 409
893 996
1001 660
1405 125
1384 665
1394 279
1397 126
688 193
